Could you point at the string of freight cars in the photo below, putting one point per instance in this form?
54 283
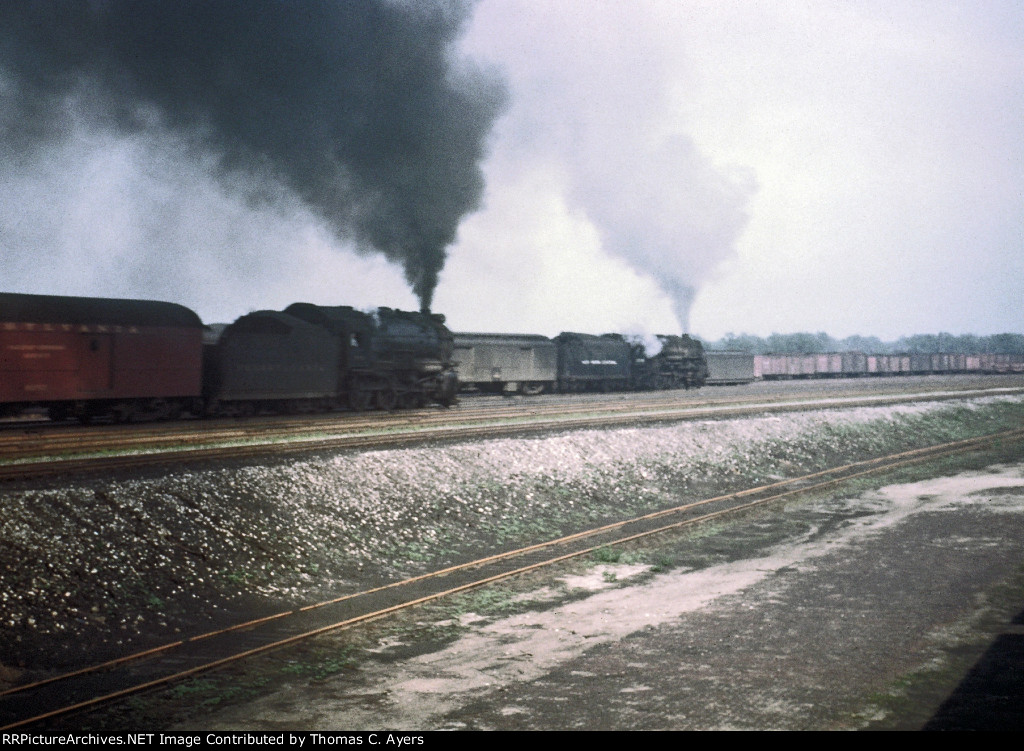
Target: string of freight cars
858 364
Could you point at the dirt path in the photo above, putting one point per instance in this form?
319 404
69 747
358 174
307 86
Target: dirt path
835 614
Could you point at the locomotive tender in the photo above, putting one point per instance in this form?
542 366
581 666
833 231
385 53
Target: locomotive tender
92 357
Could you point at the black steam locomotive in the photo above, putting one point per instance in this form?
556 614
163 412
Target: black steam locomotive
313 358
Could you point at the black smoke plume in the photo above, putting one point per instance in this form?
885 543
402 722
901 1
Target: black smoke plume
360 107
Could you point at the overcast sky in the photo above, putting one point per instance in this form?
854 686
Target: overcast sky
848 167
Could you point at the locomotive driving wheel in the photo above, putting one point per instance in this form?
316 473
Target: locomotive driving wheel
412 400
387 399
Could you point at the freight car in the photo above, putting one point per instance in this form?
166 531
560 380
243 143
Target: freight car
727 368
87 357
506 363
858 364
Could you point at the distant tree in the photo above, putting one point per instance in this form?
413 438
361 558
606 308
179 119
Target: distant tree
749 343
918 343
869 344
800 342
807 343
1006 344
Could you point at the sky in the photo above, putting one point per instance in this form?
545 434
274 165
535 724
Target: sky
651 166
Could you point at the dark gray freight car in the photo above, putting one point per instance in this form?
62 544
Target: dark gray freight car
594 363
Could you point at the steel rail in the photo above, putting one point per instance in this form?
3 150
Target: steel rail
389 435
170 436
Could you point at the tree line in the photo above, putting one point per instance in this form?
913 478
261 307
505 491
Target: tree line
1002 344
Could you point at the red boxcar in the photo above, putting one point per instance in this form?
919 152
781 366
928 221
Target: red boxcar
93 356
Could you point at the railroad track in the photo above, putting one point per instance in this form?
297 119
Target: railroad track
20 439
89 687
58 452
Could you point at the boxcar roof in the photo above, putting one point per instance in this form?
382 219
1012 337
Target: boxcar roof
100 311
470 338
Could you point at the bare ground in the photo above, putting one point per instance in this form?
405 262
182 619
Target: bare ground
861 612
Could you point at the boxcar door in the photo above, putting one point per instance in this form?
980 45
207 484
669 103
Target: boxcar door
96 363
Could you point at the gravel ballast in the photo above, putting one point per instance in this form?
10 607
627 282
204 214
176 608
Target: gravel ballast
96 567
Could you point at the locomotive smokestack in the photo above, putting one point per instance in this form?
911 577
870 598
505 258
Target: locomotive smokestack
361 109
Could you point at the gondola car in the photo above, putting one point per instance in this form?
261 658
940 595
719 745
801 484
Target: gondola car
729 368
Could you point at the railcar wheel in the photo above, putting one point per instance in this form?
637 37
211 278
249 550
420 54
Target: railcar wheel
59 413
532 389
